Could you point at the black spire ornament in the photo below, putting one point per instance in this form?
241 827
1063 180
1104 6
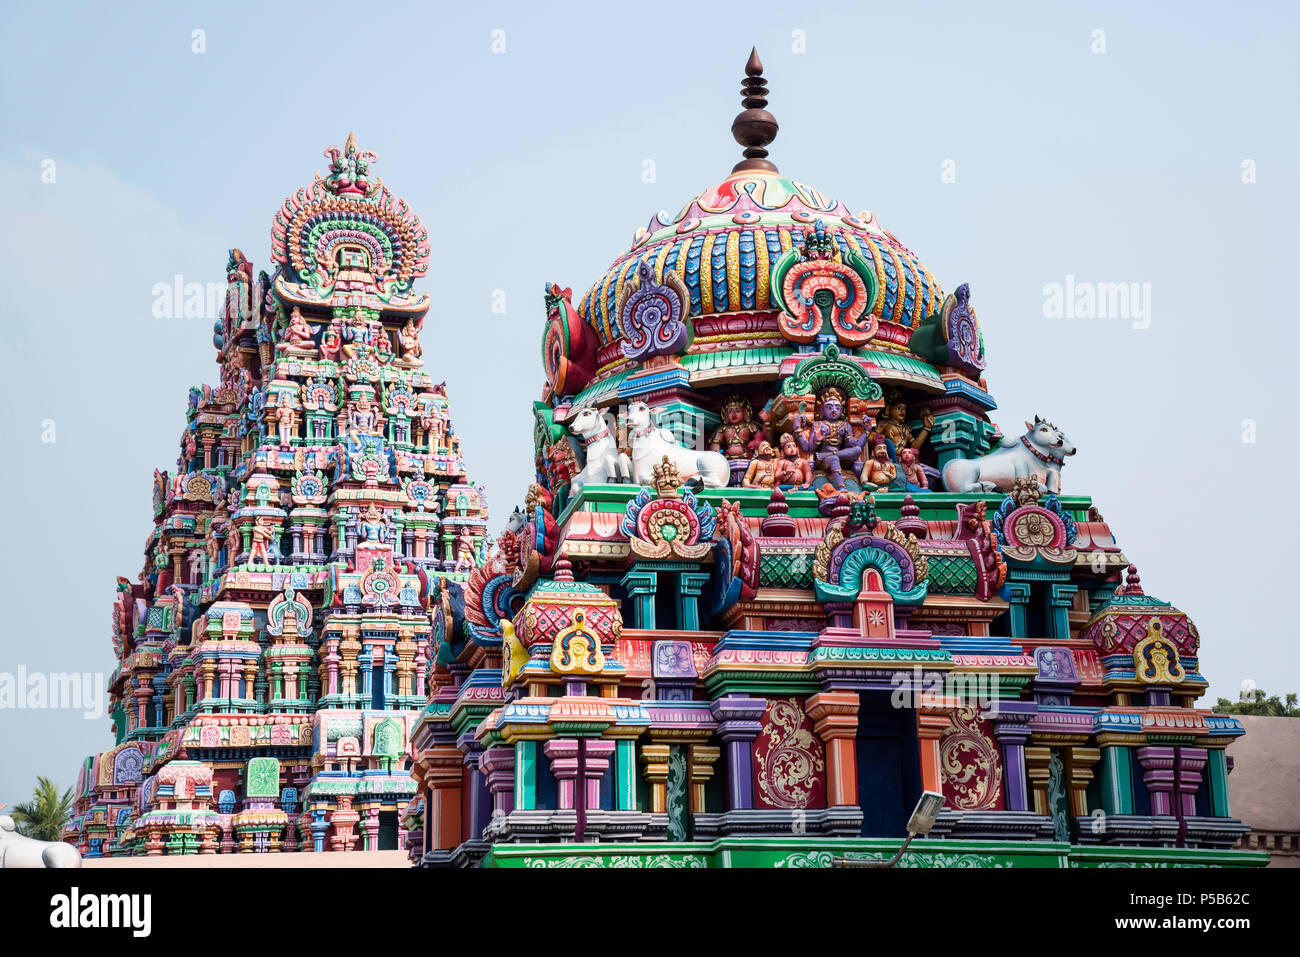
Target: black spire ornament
754 128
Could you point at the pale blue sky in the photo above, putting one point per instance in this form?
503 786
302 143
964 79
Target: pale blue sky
1124 166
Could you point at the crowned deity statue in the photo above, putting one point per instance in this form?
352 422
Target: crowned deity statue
465 550
432 429
409 340
298 334
356 338
893 428
287 420
740 432
364 416
561 463
373 526
212 546
829 437
331 342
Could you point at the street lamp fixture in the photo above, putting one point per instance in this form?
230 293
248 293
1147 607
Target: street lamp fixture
923 817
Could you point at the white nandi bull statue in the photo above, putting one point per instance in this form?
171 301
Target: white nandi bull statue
1039 453
650 444
605 463
18 850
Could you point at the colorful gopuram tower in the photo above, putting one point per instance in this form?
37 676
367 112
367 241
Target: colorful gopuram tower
780 574
275 651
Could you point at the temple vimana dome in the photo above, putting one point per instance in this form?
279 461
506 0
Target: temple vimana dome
782 593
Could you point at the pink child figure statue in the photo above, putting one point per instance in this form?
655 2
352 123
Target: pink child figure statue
913 474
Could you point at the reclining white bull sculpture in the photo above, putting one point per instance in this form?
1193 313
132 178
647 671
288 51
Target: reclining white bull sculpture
1039 453
17 850
650 444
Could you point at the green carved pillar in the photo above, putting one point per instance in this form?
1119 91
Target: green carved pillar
958 435
625 774
640 586
119 723
1062 599
691 425
1117 779
1218 767
690 585
1019 594
525 775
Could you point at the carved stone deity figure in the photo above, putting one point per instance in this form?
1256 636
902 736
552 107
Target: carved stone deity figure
740 432
892 425
792 469
263 533
373 526
298 335
829 437
356 338
878 470
409 338
331 342
762 468
287 420
561 463
432 429
364 417
213 548
465 550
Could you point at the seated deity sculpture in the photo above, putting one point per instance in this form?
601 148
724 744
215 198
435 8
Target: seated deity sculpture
893 428
740 432
409 338
878 471
792 469
762 468
298 335
829 436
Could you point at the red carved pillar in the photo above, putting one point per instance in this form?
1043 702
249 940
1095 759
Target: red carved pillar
444 777
835 719
930 725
